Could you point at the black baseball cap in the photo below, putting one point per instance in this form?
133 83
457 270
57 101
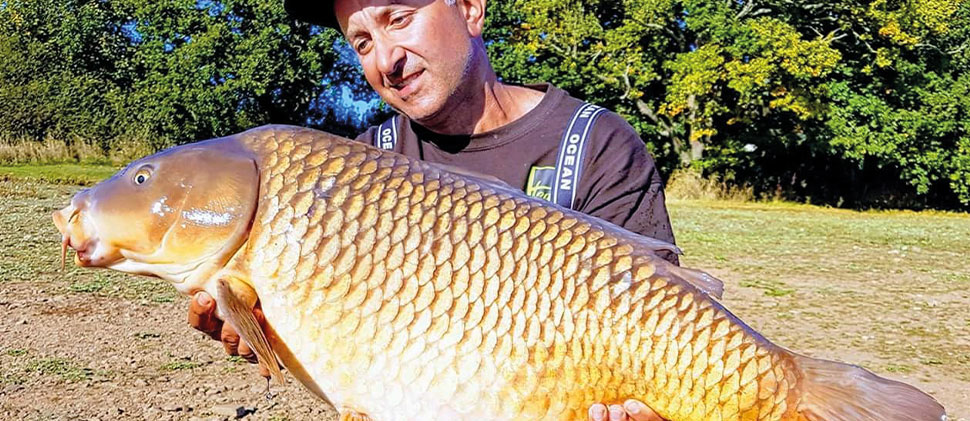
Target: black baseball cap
317 12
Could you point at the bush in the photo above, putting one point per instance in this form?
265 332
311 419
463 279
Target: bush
691 184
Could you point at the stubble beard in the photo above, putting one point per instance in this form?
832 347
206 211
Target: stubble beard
455 97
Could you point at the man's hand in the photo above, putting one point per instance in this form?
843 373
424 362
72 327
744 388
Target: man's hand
631 410
202 316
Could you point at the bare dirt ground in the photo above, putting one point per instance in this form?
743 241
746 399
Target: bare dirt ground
888 291
86 345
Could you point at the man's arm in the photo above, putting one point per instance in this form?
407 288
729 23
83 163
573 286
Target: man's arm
620 182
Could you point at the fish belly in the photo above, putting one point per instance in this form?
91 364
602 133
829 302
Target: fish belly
406 291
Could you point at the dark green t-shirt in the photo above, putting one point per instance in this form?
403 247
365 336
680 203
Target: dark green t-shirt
619 182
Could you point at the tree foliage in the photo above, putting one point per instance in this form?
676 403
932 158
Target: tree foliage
163 72
57 67
843 101
810 98
208 68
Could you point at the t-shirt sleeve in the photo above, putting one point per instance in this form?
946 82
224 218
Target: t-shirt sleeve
620 182
367 136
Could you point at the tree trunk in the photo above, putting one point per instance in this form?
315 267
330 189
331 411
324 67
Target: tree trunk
696 149
666 129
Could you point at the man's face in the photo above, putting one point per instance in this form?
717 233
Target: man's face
414 52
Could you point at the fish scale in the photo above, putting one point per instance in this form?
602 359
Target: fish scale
400 290
408 239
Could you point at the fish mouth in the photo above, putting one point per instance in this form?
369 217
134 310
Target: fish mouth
78 232
89 250
86 254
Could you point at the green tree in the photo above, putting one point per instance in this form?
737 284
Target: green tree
161 72
796 96
58 73
901 102
213 68
677 69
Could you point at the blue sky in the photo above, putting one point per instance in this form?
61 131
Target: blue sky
341 98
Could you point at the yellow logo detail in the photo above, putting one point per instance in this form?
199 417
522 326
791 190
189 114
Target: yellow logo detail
539 184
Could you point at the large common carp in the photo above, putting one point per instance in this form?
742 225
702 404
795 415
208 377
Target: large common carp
400 290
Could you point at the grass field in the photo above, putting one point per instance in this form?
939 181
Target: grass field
74 174
886 290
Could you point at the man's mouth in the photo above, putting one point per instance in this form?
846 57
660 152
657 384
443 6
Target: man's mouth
407 85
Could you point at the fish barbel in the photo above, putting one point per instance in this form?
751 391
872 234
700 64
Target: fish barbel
401 290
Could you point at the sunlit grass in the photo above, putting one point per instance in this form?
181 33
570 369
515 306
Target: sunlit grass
73 174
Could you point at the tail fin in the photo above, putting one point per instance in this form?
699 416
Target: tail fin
835 391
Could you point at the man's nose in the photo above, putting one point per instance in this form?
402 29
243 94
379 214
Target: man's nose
390 59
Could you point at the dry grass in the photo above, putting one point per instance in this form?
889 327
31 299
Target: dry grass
73 174
691 185
59 151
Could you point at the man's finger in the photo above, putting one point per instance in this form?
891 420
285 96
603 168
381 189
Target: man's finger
202 315
617 413
260 318
637 411
230 339
598 412
246 352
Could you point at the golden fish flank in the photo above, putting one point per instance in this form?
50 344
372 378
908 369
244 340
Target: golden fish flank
401 290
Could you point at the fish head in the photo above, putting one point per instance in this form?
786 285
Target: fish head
167 215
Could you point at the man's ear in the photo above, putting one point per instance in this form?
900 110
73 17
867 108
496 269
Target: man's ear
474 13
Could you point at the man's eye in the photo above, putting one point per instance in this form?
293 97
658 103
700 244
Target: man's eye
361 46
400 20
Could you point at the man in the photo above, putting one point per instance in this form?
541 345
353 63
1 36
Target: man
427 59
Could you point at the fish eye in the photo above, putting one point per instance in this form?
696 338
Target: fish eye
142 175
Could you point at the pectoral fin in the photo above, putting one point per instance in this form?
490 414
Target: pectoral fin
240 316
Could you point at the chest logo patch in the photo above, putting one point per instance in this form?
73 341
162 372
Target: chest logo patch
539 184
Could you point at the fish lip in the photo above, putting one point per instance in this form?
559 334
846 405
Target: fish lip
82 257
90 254
84 254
